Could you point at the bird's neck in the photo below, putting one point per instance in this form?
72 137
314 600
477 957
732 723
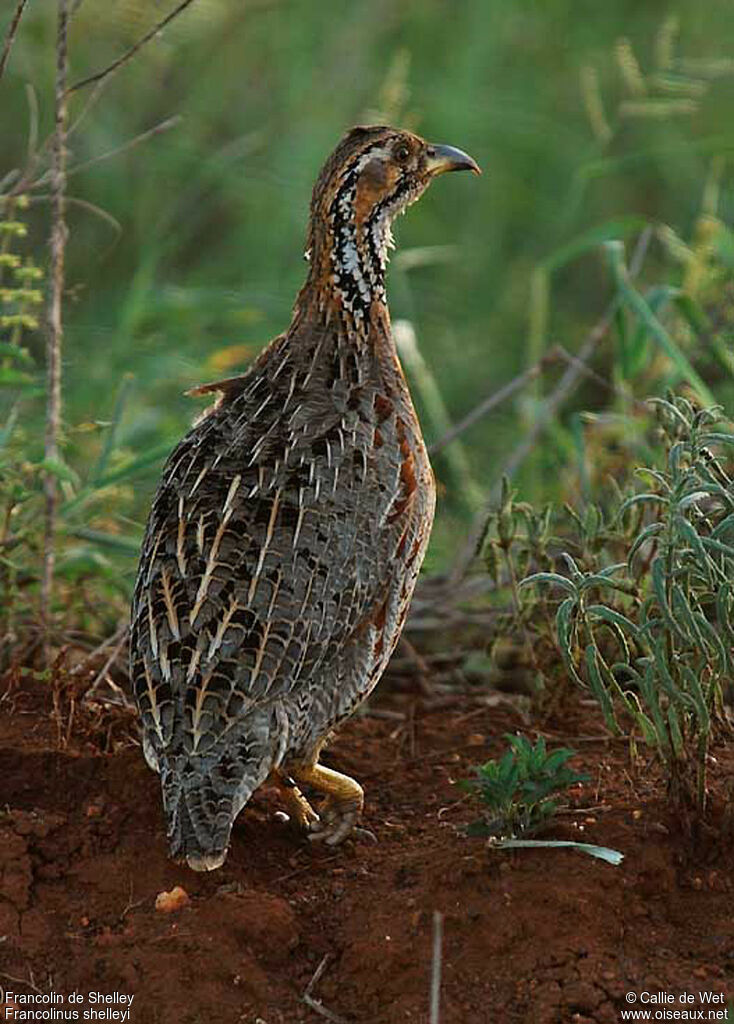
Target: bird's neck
348 256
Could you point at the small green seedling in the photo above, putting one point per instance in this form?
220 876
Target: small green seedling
517 789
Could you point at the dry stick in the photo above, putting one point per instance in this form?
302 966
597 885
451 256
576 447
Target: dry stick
10 37
316 1005
108 663
566 385
88 106
436 967
83 204
419 664
24 180
119 634
55 322
129 54
571 377
554 355
164 126
486 406
9 178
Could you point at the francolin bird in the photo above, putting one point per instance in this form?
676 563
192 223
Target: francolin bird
287 532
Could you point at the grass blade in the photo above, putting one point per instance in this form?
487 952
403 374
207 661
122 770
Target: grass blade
634 301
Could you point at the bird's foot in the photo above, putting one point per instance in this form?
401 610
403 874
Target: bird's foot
342 808
299 813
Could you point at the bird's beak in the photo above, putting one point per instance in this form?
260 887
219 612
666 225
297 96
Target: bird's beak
440 159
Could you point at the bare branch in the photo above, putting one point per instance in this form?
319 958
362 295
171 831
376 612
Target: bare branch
84 205
164 126
129 54
88 106
554 355
11 33
486 406
55 328
121 635
576 369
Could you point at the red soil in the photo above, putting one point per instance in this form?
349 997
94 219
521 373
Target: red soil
544 936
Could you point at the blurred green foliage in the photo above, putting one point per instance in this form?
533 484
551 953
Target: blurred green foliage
185 253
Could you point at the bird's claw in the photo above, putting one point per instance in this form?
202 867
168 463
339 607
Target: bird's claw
336 821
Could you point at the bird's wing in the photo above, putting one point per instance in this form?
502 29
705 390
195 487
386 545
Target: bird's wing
269 544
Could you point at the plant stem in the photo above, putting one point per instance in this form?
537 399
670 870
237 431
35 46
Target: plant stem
516 606
129 54
55 329
10 37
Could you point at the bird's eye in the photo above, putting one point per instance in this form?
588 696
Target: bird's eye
402 153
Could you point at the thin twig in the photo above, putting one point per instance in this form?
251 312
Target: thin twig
25 181
566 385
130 905
436 967
55 330
487 405
575 370
83 204
365 711
88 106
129 54
84 666
164 126
555 355
12 175
316 1005
10 35
108 663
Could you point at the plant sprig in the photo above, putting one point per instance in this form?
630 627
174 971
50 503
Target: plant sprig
518 789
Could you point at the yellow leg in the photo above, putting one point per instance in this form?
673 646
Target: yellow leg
300 810
342 806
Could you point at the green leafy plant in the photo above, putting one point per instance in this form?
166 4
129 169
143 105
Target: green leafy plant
652 636
518 788
521 541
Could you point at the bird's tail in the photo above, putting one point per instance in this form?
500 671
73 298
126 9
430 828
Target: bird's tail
202 796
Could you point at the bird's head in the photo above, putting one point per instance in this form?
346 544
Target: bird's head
373 175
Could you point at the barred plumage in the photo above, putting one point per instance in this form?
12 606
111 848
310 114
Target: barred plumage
287 532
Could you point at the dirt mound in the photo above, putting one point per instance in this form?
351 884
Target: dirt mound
547 936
